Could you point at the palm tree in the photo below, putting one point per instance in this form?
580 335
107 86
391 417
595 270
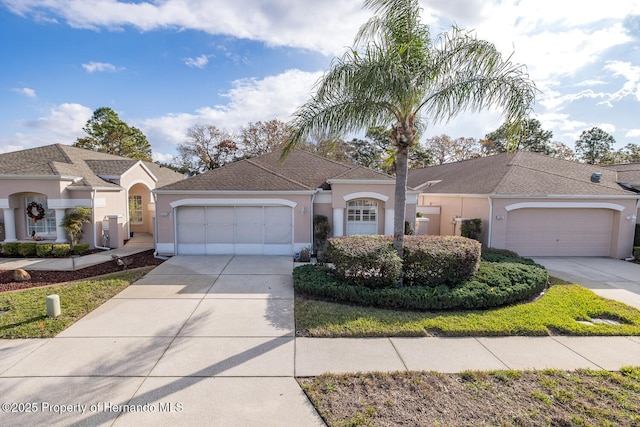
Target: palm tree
397 76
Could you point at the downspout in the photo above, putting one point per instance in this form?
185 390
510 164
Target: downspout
313 199
95 225
490 222
155 230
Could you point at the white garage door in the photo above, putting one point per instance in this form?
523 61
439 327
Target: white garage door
242 230
560 232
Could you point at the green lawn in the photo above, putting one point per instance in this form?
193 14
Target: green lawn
557 312
25 311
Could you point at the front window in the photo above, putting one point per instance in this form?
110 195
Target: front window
135 208
42 227
362 217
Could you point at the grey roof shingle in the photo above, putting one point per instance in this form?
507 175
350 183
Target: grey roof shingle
520 173
299 172
65 160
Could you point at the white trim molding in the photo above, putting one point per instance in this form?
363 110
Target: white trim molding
365 195
564 205
68 203
233 202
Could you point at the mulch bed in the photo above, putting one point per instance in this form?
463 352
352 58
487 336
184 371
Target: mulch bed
41 278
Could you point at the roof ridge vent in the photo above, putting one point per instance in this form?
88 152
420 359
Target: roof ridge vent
595 177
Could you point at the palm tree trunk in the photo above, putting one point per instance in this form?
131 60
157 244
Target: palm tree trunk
401 198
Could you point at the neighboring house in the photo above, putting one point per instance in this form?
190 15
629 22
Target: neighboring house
628 177
54 179
533 204
264 206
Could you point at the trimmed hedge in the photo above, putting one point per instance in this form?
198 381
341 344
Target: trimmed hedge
439 260
27 249
494 285
368 261
44 249
636 252
62 249
11 248
81 248
504 255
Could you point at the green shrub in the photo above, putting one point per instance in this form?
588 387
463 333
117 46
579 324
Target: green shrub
44 249
61 249
27 249
636 237
471 228
439 260
0 248
367 261
504 255
80 248
636 252
11 249
494 285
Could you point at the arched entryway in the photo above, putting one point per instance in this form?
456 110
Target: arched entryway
140 209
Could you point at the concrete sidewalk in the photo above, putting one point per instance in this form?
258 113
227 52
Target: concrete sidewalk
210 340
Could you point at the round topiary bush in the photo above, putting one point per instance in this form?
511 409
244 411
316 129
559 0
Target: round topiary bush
368 261
439 260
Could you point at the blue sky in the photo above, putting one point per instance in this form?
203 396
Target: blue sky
167 65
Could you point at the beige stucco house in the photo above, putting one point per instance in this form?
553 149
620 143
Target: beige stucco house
264 206
532 204
54 179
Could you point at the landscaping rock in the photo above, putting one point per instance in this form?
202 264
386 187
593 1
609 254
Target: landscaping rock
20 275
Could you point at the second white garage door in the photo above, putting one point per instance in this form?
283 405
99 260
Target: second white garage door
560 232
229 230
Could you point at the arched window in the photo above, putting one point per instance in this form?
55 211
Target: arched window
362 217
45 226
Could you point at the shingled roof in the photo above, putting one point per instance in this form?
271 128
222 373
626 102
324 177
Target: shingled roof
628 173
521 173
301 171
86 165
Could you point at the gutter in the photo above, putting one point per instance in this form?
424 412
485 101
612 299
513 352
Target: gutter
489 230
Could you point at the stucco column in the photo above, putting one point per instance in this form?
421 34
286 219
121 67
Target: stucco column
9 225
338 222
61 234
389 214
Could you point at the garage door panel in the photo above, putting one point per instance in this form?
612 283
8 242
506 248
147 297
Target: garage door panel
220 215
277 234
235 230
191 233
560 232
220 233
248 215
277 215
251 233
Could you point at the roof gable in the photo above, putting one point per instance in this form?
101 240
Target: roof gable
520 173
301 171
87 166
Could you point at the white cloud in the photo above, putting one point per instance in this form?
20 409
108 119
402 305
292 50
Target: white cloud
92 67
324 26
31 93
249 100
62 124
633 133
199 62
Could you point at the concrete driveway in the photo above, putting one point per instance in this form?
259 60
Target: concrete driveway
198 341
610 278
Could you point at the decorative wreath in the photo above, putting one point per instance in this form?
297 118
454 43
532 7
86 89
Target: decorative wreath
35 211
